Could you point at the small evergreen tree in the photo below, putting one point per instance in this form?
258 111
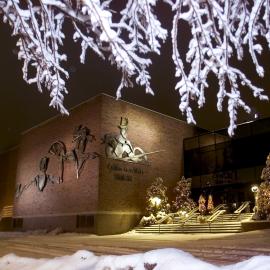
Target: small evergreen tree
263 200
263 195
202 207
156 199
210 204
183 202
266 170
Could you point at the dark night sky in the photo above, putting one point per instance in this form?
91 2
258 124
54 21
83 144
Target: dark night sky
22 106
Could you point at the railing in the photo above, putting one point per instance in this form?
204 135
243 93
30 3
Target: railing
190 215
215 215
242 207
165 218
218 208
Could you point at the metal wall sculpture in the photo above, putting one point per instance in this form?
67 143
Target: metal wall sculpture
119 147
41 180
81 136
58 149
116 147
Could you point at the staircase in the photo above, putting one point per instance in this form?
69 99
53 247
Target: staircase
6 219
7 212
222 218
222 223
228 227
234 217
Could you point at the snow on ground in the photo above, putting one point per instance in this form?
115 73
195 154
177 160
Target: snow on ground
160 259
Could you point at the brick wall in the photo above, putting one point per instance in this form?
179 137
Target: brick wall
73 195
115 203
151 131
8 164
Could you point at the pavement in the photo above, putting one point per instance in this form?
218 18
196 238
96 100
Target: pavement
221 249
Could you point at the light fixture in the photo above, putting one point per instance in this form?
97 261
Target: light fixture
155 201
254 188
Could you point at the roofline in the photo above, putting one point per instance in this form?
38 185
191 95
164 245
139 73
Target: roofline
104 94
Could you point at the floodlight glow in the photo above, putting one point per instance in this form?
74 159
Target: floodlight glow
155 201
254 188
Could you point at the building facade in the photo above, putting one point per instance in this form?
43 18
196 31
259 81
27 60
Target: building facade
228 167
89 171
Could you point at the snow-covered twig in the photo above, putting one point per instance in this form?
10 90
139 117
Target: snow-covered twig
221 31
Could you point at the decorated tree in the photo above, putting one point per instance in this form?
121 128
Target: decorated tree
210 204
156 199
263 200
183 202
263 195
222 34
202 207
266 170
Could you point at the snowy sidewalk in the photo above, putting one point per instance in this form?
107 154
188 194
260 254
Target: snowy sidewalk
216 248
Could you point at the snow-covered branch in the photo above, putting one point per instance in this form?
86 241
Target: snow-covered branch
222 31
39 32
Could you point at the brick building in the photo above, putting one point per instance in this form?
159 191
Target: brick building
108 196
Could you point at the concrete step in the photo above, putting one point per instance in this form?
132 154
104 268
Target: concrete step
7 211
196 225
189 231
217 227
222 218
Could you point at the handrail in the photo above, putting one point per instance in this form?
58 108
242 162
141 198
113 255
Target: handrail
164 218
191 214
242 207
215 215
218 207
194 210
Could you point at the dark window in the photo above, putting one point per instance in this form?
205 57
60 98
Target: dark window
85 221
17 223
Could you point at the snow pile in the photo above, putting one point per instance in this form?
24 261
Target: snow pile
162 259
